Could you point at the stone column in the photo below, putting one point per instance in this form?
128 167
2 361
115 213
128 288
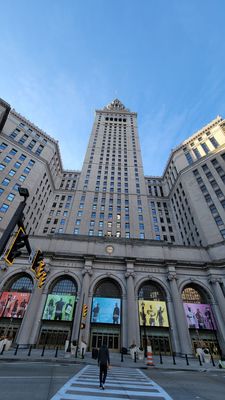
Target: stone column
124 330
77 333
181 323
219 296
175 343
131 314
30 326
219 312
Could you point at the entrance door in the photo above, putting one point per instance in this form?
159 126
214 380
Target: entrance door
52 338
159 344
112 340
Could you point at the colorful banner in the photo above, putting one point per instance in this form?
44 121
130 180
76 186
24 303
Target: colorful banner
153 313
199 316
13 304
106 310
59 307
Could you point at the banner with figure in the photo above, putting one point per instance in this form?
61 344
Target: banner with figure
106 310
59 307
13 304
199 316
153 313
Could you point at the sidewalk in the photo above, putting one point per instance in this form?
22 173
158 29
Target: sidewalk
178 363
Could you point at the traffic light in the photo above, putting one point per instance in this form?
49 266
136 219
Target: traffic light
85 310
38 267
36 260
42 279
82 325
19 241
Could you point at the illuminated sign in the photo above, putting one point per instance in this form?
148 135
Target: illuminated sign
106 310
199 316
59 307
13 304
153 313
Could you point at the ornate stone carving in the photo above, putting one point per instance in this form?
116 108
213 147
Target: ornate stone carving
215 279
87 270
116 105
130 273
172 276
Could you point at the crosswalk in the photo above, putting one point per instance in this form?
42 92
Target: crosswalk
121 383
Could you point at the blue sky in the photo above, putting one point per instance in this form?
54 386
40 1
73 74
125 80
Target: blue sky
164 59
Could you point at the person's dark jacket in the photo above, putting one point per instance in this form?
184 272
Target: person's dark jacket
103 355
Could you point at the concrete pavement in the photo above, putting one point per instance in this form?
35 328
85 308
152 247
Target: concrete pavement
166 362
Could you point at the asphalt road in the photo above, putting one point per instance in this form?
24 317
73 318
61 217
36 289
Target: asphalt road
40 381
189 385
33 381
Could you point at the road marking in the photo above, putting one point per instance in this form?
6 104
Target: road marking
122 383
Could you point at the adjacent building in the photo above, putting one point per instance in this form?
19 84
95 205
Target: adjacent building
131 258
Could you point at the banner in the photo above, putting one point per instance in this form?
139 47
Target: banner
13 304
59 307
199 316
106 310
153 313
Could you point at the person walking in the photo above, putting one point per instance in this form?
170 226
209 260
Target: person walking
104 363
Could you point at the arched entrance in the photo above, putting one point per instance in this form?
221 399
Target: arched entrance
153 318
200 319
58 313
106 315
14 300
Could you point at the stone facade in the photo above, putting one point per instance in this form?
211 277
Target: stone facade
145 238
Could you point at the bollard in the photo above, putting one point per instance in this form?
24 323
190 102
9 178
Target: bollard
160 357
56 352
186 359
174 361
135 356
43 351
29 352
3 349
15 352
213 363
82 353
121 356
199 359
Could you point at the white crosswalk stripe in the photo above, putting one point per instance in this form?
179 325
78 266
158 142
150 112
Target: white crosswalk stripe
121 383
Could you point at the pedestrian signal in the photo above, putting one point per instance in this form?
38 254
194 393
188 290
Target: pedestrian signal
19 241
85 310
82 325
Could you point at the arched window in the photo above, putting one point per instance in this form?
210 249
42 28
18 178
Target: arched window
151 291
108 288
192 294
23 284
64 286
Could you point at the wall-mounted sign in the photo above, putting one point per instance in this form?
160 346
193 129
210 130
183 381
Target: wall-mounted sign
153 313
199 316
13 304
59 307
106 310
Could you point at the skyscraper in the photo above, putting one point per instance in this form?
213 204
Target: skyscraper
116 238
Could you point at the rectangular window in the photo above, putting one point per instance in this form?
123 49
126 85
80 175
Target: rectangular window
2 166
214 142
189 158
22 157
10 197
26 170
12 172
22 178
3 146
197 153
13 152
16 187
78 222
7 159
31 163
5 182
205 148
76 231
1 191
91 232
218 220
4 208
17 165
31 144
